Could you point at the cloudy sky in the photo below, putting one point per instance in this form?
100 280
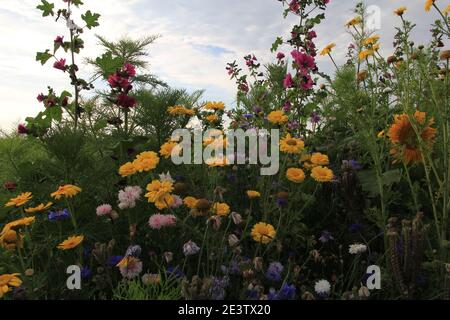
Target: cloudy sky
198 38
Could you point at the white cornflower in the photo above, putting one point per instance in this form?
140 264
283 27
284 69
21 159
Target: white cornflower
322 287
357 248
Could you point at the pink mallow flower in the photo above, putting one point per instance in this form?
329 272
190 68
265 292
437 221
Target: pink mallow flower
304 61
116 81
60 65
22 129
104 210
288 82
280 55
158 221
129 69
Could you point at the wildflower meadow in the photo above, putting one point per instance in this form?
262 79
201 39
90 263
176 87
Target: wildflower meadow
313 186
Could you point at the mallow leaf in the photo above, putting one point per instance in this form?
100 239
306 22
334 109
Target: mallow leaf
91 19
43 57
46 8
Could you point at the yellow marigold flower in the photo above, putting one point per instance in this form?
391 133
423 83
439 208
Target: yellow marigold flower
263 233
365 54
400 11
214 105
190 202
217 161
39 208
167 148
68 190
20 200
127 169
296 175
146 161
428 5
9 240
327 50
221 209
159 193
320 159
71 242
291 145
404 139
353 22
180 110
371 40
212 118
252 194
277 117
322 174
7 281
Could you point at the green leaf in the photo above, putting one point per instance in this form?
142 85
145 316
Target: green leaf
91 19
77 2
369 181
100 124
46 8
43 57
65 94
108 64
54 113
278 42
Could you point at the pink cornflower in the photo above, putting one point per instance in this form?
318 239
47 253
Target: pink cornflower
103 210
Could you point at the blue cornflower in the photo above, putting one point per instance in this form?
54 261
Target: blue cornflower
355 227
287 292
274 271
59 215
86 272
113 261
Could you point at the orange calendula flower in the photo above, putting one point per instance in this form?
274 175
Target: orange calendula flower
371 40
319 159
221 209
214 105
39 208
252 194
190 202
127 169
406 144
428 5
322 174
353 22
400 11
167 148
7 281
327 50
68 190
277 117
159 193
146 161
296 175
291 145
365 54
180 110
263 233
212 118
20 200
71 242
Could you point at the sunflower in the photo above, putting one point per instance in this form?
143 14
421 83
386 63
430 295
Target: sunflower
68 190
221 209
263 232
167 148
70 243
159 193
295 175
213 105
20 200
7 281
146 161
400 11
127 169
277 117
403 137
39 208
327 50
252 194
322 174
319 159
291 145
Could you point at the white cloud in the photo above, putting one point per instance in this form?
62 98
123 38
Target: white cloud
198 38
